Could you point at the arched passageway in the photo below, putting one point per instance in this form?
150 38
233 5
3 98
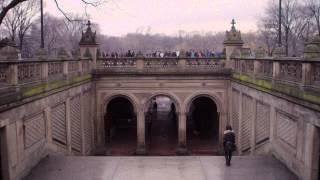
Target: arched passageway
161 126
120 127
203 127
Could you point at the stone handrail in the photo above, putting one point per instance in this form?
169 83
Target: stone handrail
19 72
160 65
296 71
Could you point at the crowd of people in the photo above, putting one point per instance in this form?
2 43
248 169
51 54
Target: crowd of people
165 54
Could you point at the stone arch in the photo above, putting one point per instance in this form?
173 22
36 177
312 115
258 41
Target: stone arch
173 97
214 98
131 98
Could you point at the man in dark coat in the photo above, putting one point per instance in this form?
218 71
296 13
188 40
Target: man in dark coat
229 140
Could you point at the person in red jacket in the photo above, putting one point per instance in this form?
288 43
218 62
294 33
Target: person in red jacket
229 140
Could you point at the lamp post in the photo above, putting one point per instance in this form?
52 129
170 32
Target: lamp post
42 37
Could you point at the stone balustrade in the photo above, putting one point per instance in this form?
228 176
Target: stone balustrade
291 71
31 71
161 65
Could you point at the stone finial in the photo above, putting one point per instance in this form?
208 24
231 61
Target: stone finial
183 53
312 49
279 51
9 50
63 53
260 52
88 37
233 37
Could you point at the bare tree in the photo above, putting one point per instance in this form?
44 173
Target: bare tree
8 5
19 20
314 9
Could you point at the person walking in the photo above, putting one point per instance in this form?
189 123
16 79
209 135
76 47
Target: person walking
229 140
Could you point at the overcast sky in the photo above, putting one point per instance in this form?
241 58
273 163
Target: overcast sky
119 17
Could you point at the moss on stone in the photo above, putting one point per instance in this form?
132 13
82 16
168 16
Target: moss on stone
291 90
43 88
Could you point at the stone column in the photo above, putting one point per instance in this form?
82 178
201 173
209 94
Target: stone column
182 133
240 124
306 73
13 74
311 153
141 139
82 123
68 124
253 126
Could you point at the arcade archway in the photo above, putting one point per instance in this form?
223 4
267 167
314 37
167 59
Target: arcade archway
120 127
161 126
203 127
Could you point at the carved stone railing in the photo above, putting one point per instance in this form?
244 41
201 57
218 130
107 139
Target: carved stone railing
14 73
3 73
293 71
161 65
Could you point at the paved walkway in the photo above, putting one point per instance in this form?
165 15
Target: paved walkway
159 168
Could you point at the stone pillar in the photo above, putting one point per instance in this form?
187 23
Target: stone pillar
306 73
140 64
253 127
68 124
47 116
311 153
240 124
141 138
80 71
182 134
82 123
45 71
256 67
13 74
65 68
276 69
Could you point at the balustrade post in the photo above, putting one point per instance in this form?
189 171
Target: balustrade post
140 64
65 68
182 64
306 73
276 69
12 77
45 71
256 67
80 68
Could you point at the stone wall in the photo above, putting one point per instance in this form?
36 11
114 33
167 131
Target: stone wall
59 123
273 125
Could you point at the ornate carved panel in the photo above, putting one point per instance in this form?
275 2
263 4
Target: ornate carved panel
287 129
265 68
246 123
291 71
203 64
75 116
262 123
55 69
34 130
3 73
29 72
315 73
59 126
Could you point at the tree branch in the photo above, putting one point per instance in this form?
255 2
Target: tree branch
6 9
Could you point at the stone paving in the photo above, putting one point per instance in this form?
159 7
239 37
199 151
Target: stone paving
159 168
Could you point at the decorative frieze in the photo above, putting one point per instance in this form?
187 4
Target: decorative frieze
291 71
55 69
3 73
29 72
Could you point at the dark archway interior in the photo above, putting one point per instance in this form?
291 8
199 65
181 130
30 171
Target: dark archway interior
203 127
161 126
120 127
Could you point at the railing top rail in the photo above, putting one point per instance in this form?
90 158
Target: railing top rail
25 61
160 58
301 59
